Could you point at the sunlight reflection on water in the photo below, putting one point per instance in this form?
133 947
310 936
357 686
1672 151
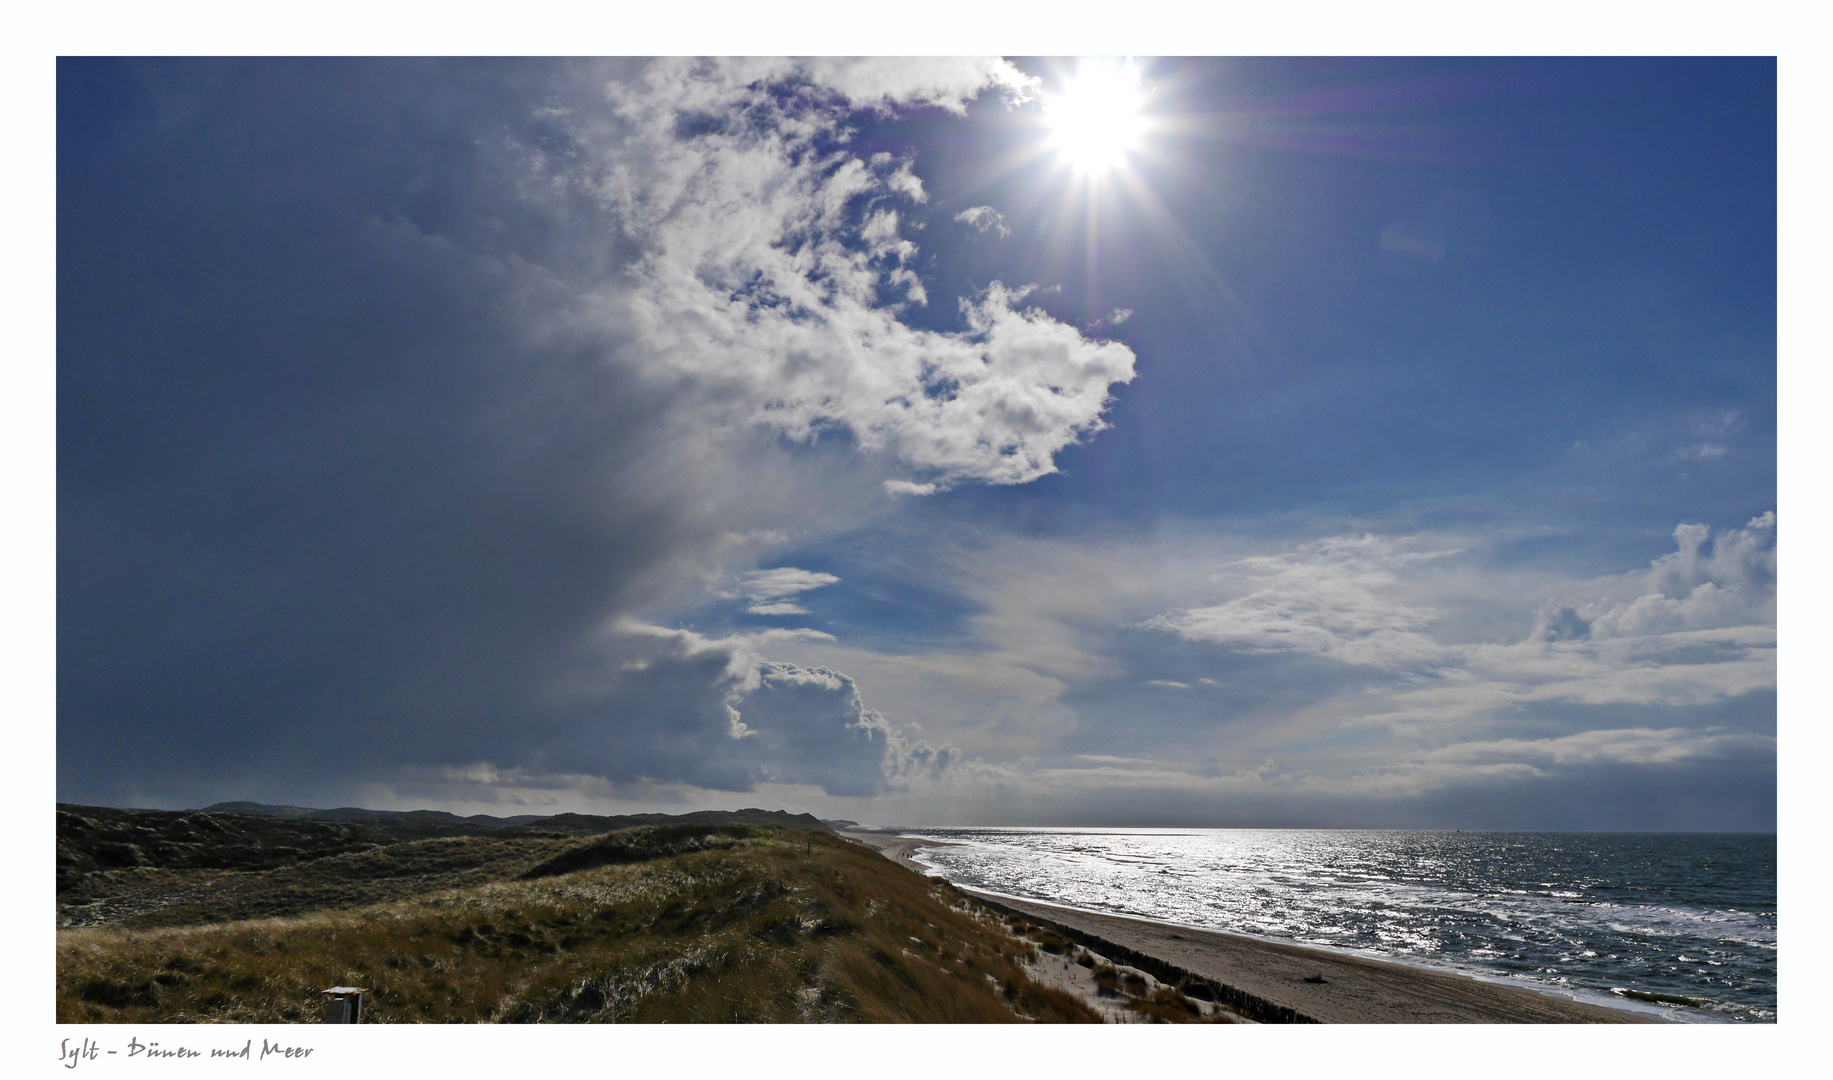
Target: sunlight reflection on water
1688 915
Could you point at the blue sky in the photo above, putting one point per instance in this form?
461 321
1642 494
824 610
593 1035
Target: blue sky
1383 442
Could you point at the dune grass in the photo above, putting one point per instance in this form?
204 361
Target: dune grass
145 897
754 925
1164 1004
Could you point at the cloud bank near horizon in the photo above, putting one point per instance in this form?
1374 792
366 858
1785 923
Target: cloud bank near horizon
1385 679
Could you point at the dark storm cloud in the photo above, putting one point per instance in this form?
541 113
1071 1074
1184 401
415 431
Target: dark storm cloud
319 506
714 713
392 394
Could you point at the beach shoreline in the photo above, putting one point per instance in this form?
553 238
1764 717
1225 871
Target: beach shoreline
1286 982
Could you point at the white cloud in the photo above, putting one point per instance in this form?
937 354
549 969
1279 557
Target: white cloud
906 487
983 218
770 270
1168 684
1334 598
1696 627
781 607
944 82
768 590
1733 584
1627 746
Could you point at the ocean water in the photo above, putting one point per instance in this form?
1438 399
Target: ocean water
1618 918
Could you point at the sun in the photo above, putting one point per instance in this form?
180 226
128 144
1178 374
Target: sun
1098 119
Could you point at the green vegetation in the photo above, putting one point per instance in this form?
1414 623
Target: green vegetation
674 924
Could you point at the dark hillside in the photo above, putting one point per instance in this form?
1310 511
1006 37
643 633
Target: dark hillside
573 823
95 839
354 813
593 824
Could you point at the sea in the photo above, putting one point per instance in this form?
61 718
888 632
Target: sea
1683 924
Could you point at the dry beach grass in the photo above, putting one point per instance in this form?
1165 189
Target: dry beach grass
704 925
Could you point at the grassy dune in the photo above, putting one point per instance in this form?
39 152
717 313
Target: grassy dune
146 897
676 925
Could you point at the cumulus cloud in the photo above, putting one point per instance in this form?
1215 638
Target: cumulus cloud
1705 584
660 705
983 218
770 271
773 269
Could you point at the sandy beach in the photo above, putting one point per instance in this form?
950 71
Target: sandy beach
1293 983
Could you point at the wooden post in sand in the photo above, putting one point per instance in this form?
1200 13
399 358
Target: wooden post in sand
344 1004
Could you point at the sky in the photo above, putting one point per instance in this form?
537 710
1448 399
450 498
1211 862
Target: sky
1384 443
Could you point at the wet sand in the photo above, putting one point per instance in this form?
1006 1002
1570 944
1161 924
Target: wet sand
1313 984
